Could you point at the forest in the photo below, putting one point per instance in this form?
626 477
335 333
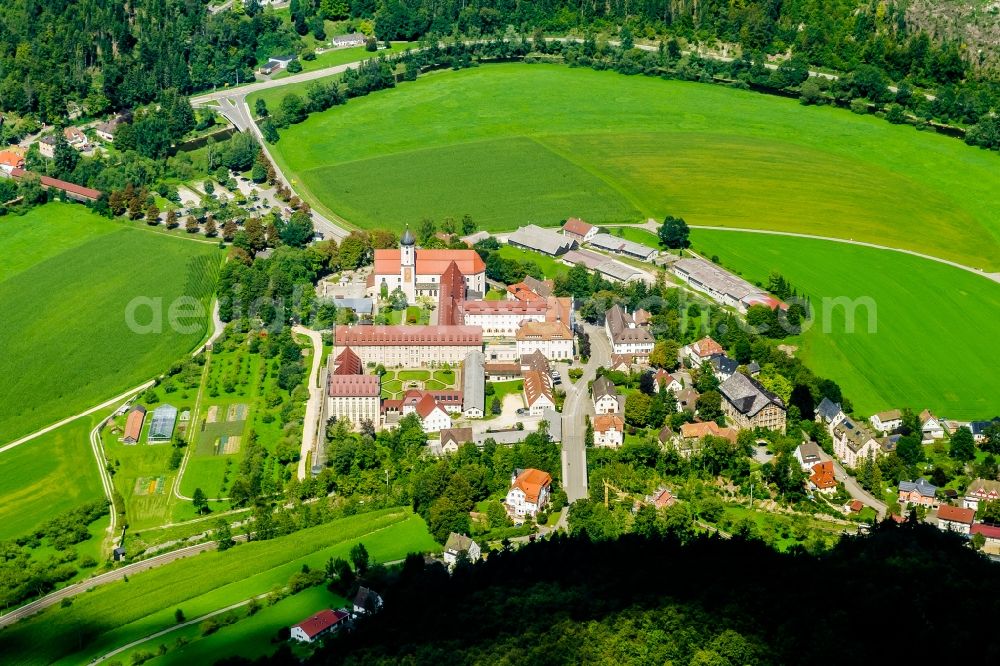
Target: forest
649 600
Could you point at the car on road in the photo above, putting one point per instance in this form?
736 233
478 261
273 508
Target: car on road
521 411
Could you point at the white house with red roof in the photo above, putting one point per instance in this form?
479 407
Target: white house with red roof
529 492
433 417
609 430
701 351
579 230
663 380
353 398
418 272
955 519
537 392
319 625
981 490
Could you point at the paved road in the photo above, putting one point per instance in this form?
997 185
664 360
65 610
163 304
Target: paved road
310 425
856 491
577 405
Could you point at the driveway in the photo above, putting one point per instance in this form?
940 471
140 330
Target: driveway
310 425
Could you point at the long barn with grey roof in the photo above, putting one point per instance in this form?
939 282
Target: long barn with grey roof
542 240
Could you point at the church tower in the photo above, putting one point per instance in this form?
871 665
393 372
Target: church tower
408 265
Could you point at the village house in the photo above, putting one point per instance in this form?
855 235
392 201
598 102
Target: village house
991 534
579 230
981 490
107 130
687 400
537 393
930 427
319 625
662 498
607 399
747 404
351 39
979 429
275 63
664 381
453 438
409 346
886 422
693 432
75 137
366 602
502 372
551 338
955 519
822 478
353 398
920 492
47 146
10 160
625 336
529 492
853 443
723 367
808 455
433 417
460 546
829 413
609 430
701 351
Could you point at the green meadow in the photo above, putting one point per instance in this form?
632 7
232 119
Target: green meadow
47 476
118 613
935 331
511 144
67 280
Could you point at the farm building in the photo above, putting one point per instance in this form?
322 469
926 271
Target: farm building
71 190
723 286
579 230
546 241
161 428
628 248
133 424
319 625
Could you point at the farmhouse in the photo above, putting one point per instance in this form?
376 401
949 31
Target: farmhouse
107 130
930 427
822 478
133 424
474 385
609 430
886 422
366 601
419 272
920 492
460 547
552 338
625 336
529 492
75 137
579 230
747 404
161 428
352 39
622 246
607 400
537 393
981 490
321 624
701 351
853 443
409 346
955 519
353 398
546 241
453 438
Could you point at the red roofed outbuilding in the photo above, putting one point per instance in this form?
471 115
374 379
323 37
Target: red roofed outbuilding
321 624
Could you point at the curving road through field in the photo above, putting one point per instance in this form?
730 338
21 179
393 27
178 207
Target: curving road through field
310 423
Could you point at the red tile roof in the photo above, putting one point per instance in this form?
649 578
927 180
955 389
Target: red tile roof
703 429
606 422
856 506
531 481
575 225
451 296
69 188
359 336
560 309
133 424
536 307
535 386
988 531
320 622
9 158
427 405
708 347
543 330
354 386
956 514
430 262
523 292
822 476
347 363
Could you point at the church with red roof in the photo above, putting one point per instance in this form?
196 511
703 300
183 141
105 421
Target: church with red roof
419 272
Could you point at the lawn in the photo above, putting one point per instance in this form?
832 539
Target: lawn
118 613
540 143
550 266
66 338
47 476
501 390
647 238
936 324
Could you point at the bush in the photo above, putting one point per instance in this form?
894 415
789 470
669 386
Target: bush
859 106
294 67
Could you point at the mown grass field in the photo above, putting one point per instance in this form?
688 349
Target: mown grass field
47 476
514 143
551 267
937 326
118 613
66 340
